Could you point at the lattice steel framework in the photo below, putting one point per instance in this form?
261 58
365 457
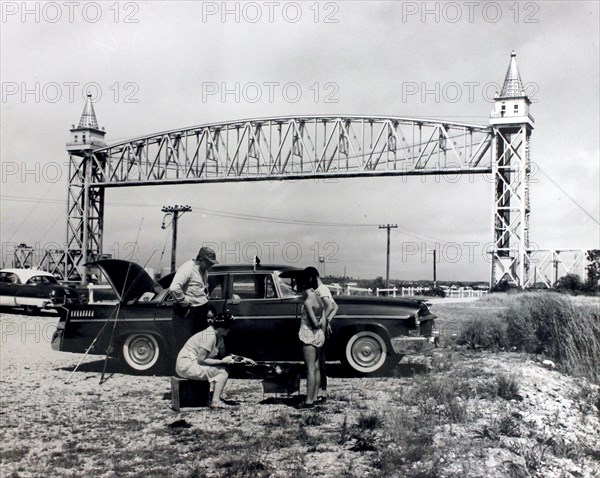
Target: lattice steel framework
511 204
267 149
512 126
295 148
85 221
547 265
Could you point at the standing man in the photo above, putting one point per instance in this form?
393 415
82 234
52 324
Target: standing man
190 291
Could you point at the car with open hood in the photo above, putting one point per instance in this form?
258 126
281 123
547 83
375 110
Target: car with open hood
369 333
34 290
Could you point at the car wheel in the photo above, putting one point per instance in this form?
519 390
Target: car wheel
366 352
31 309
141 352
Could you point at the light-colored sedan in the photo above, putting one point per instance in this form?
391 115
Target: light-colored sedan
33 290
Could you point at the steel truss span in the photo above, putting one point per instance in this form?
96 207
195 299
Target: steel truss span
295 148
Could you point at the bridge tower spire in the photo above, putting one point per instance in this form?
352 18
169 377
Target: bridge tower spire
85 202
512 126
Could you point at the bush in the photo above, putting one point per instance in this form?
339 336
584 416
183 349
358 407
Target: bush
569 283
484 333
551 324
436 292
505 286
546 323
507 387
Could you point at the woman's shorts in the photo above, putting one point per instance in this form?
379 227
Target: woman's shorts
314 337
195 371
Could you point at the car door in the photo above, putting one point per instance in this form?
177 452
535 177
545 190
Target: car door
266 325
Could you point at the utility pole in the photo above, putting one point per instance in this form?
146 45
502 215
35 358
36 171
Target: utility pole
434 271
387 263
434 266
174 212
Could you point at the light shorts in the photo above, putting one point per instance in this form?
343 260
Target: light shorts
309 336
194 371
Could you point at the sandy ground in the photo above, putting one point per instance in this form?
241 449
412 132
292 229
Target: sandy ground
125 427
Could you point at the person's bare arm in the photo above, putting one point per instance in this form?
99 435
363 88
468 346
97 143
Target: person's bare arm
204 360
244 360
309 304
333 308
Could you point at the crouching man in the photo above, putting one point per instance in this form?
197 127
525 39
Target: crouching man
203 356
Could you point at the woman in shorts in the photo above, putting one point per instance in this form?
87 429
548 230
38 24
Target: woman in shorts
312 337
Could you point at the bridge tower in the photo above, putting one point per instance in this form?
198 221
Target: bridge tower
85 204
512 126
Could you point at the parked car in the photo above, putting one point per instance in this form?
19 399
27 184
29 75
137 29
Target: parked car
369 333
33 290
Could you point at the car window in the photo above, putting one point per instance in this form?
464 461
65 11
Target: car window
253 286
216 286
9 278
288 284
41 280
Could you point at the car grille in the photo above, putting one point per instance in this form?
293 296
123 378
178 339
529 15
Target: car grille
82 313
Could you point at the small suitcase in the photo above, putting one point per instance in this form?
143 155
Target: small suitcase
189 393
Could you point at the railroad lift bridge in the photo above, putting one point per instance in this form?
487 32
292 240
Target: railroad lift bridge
309 147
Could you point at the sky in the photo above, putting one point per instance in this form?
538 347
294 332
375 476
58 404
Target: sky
154 66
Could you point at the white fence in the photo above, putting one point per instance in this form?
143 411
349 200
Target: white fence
349 290
463 292
460 292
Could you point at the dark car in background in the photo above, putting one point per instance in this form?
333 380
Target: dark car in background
369 333
33 290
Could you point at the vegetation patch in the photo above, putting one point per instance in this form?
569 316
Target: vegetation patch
547 323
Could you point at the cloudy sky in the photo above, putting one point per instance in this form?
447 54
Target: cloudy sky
150 65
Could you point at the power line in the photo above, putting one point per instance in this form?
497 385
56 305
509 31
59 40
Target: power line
568 195
213 212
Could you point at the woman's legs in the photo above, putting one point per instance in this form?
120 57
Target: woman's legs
310 359
317 366
220 382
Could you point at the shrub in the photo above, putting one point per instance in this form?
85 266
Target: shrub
569 283
551 324
370 421
486 333
507 387
505 286
363 433
546 323
246 466
438 292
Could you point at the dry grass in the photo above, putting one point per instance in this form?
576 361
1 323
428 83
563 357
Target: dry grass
554 325
559 327
452 421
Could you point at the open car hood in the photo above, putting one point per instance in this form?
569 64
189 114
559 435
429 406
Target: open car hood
128 279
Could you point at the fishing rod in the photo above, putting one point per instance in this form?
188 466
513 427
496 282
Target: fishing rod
109 347
91 346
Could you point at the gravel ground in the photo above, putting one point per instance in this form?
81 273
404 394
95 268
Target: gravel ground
125 427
